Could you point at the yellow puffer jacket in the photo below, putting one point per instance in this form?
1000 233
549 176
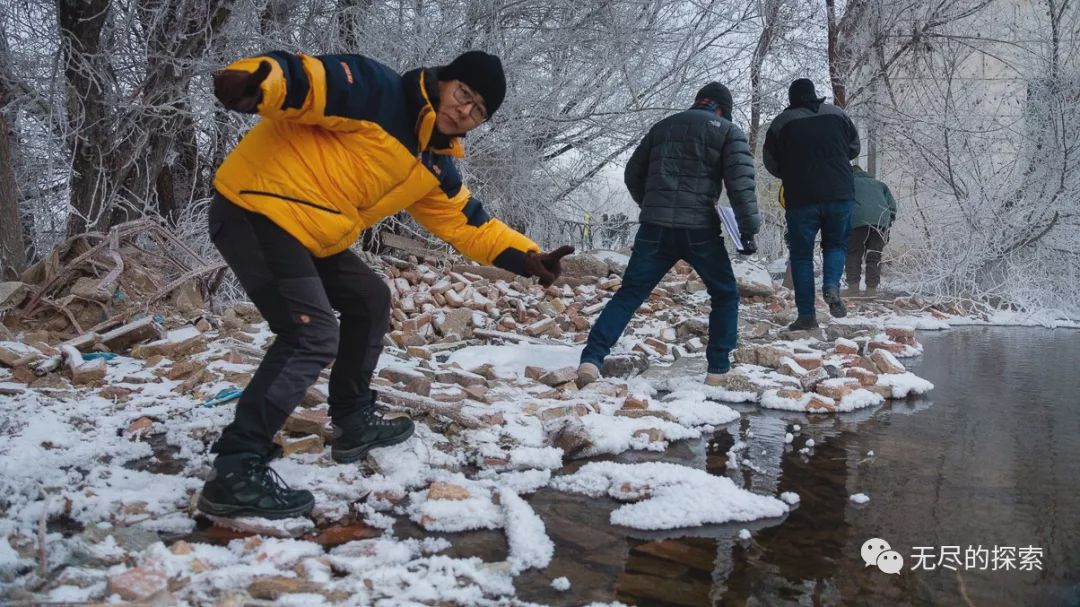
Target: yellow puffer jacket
345 141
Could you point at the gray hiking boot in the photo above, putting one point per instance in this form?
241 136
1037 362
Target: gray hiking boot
243 484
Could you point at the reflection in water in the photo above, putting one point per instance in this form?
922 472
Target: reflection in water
804 550
668 572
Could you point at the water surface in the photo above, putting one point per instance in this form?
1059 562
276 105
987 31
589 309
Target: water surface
988 459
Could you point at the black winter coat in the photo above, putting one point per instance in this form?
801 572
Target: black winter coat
677 173
810 149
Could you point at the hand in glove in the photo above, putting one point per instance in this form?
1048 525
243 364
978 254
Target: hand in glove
241 91
545 266
749 247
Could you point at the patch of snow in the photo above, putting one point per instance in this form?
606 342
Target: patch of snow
544 458
692 408
903 384
690 385
514 359
478 511
521 481
530 546
614 435
858 399
671 496
562 584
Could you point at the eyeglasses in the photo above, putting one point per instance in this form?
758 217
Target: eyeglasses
464 96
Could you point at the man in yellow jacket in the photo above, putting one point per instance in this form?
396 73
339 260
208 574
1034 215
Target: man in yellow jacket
344 141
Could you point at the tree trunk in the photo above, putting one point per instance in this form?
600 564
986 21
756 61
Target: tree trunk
769 15
12 246
157 138
274 18
835 78
81 23
12 237
351 16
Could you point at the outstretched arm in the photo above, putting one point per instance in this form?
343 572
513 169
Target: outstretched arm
335 92
454 215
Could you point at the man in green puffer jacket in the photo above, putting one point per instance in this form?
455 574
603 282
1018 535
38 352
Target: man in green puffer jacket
874 214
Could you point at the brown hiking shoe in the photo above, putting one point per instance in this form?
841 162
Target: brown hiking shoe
587 373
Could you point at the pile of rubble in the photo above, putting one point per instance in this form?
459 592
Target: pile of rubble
93 282
441 307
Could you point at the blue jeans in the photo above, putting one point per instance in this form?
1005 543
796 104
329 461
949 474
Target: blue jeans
656 250
833 219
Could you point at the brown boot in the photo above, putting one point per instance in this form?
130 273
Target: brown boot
587 373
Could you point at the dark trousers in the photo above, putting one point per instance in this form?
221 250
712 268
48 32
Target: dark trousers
833 220
868 242
656 250
297 294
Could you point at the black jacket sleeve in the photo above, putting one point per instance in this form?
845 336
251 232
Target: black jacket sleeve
853 139
770 155
637 169
738 172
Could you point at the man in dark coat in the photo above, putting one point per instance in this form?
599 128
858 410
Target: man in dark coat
676 176
809 146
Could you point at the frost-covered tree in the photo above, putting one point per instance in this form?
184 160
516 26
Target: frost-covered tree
972 105
964 106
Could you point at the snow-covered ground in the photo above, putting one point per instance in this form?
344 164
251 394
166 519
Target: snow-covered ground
99 481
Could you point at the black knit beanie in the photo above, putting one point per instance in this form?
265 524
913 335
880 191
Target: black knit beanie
718 93
483 73
802 92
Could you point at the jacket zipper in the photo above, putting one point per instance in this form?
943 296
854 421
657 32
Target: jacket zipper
291 199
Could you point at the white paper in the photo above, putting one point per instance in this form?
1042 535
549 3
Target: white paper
731 227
